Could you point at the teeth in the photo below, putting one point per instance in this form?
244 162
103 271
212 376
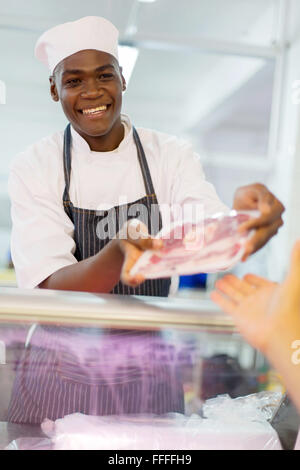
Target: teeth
94 110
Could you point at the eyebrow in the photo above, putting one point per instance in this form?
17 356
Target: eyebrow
98 69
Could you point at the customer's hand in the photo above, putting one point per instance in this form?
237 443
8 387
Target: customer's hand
248 301
263 311
268 316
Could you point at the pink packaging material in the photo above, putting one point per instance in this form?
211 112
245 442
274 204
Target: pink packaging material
228 424
178 432
82 432
210 245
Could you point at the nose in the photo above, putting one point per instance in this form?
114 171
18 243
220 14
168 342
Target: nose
92 89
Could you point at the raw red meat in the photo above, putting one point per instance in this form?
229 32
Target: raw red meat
213 244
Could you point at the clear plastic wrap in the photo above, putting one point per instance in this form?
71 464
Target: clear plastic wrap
235 424
210 245
257 407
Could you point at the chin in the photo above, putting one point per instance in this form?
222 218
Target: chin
95 130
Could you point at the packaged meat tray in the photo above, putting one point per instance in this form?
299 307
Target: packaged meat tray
213 244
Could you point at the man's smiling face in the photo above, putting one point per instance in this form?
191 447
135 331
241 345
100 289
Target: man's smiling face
89 85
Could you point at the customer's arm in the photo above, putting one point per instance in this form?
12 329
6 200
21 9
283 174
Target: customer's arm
268 316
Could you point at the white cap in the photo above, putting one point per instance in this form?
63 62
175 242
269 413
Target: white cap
90 32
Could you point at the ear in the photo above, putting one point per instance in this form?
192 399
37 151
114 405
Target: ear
53 89
123 79
123 84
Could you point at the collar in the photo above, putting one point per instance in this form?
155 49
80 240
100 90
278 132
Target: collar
81 145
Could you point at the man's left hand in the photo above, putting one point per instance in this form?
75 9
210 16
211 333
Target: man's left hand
258 197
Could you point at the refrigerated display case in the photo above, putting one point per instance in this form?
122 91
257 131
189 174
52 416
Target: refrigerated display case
80 370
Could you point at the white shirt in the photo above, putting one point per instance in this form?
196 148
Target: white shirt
42 233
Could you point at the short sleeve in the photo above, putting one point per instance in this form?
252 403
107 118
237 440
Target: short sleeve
42 233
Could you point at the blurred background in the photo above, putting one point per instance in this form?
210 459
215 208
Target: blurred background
223 74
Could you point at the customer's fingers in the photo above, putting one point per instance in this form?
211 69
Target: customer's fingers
226 304
230 290
258 281
239 284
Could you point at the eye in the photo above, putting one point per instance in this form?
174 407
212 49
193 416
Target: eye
106 76
72 82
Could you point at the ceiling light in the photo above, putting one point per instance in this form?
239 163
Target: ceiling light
127 59
147 1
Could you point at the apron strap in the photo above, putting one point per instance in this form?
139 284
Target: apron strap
141 158
143 164
67 162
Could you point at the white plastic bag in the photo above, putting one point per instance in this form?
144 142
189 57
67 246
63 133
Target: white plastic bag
228 424
234 424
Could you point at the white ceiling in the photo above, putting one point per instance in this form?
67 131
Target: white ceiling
166 87
225 19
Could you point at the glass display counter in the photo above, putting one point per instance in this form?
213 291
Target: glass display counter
87 371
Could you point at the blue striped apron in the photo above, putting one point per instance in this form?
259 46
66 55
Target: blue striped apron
93 371
86 221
